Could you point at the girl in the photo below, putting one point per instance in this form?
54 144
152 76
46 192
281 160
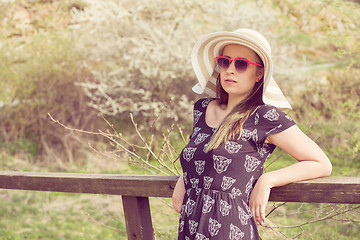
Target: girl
223 192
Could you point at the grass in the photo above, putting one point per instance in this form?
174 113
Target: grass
45 215
48 215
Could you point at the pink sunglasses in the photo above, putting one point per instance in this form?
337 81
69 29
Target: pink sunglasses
240 63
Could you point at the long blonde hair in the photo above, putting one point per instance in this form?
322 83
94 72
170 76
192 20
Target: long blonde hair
232 125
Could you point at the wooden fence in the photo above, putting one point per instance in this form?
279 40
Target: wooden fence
136 190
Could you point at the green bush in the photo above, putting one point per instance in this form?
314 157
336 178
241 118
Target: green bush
39 77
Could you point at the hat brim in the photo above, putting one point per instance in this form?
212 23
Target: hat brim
210 46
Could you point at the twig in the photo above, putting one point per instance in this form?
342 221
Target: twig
157 118
276 207
329 216
72 129
133 154
141 137
181 133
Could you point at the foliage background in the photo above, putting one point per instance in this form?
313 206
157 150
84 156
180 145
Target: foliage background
79 59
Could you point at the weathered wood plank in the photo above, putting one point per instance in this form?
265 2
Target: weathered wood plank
138 218
325 190
112 184
321 190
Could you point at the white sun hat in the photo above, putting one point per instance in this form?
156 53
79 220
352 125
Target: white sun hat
210 46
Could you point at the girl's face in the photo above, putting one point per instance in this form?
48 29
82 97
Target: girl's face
239 84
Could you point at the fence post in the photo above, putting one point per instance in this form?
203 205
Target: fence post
138 218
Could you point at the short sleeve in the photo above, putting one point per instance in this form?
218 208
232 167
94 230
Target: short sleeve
200 108
270 120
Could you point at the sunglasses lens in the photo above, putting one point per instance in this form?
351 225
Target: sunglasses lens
240 65
223 62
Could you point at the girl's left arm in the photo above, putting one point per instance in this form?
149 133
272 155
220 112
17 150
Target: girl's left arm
313 163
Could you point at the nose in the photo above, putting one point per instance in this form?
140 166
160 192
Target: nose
231 69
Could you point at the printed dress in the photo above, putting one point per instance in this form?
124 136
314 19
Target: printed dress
218 183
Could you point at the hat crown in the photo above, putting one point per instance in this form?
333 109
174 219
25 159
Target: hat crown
256 37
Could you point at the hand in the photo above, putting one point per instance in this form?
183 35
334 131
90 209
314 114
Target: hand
258 200
178 194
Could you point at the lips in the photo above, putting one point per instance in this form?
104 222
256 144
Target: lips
230 81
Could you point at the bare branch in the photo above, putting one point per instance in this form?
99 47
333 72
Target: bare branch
329 216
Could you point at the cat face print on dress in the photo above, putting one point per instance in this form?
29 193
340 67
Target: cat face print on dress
192 226
235 192
249 186
199 166
243 216
185 178
235 233
188 153
200 138
194 182
256 119
188 191
251 163
246 207
264 149
205 147
214 227
206 102
182 209
181 226
227 182
272 115
197 115
208 204
207 182
189 207
221 163
200 236
196 130
246 135
232 147
224 207
251 232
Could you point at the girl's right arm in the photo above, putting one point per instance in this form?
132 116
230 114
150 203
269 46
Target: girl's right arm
178 194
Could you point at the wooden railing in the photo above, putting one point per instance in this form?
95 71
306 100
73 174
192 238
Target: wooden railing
136 190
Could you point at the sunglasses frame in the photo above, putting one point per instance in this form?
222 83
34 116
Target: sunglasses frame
236 59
